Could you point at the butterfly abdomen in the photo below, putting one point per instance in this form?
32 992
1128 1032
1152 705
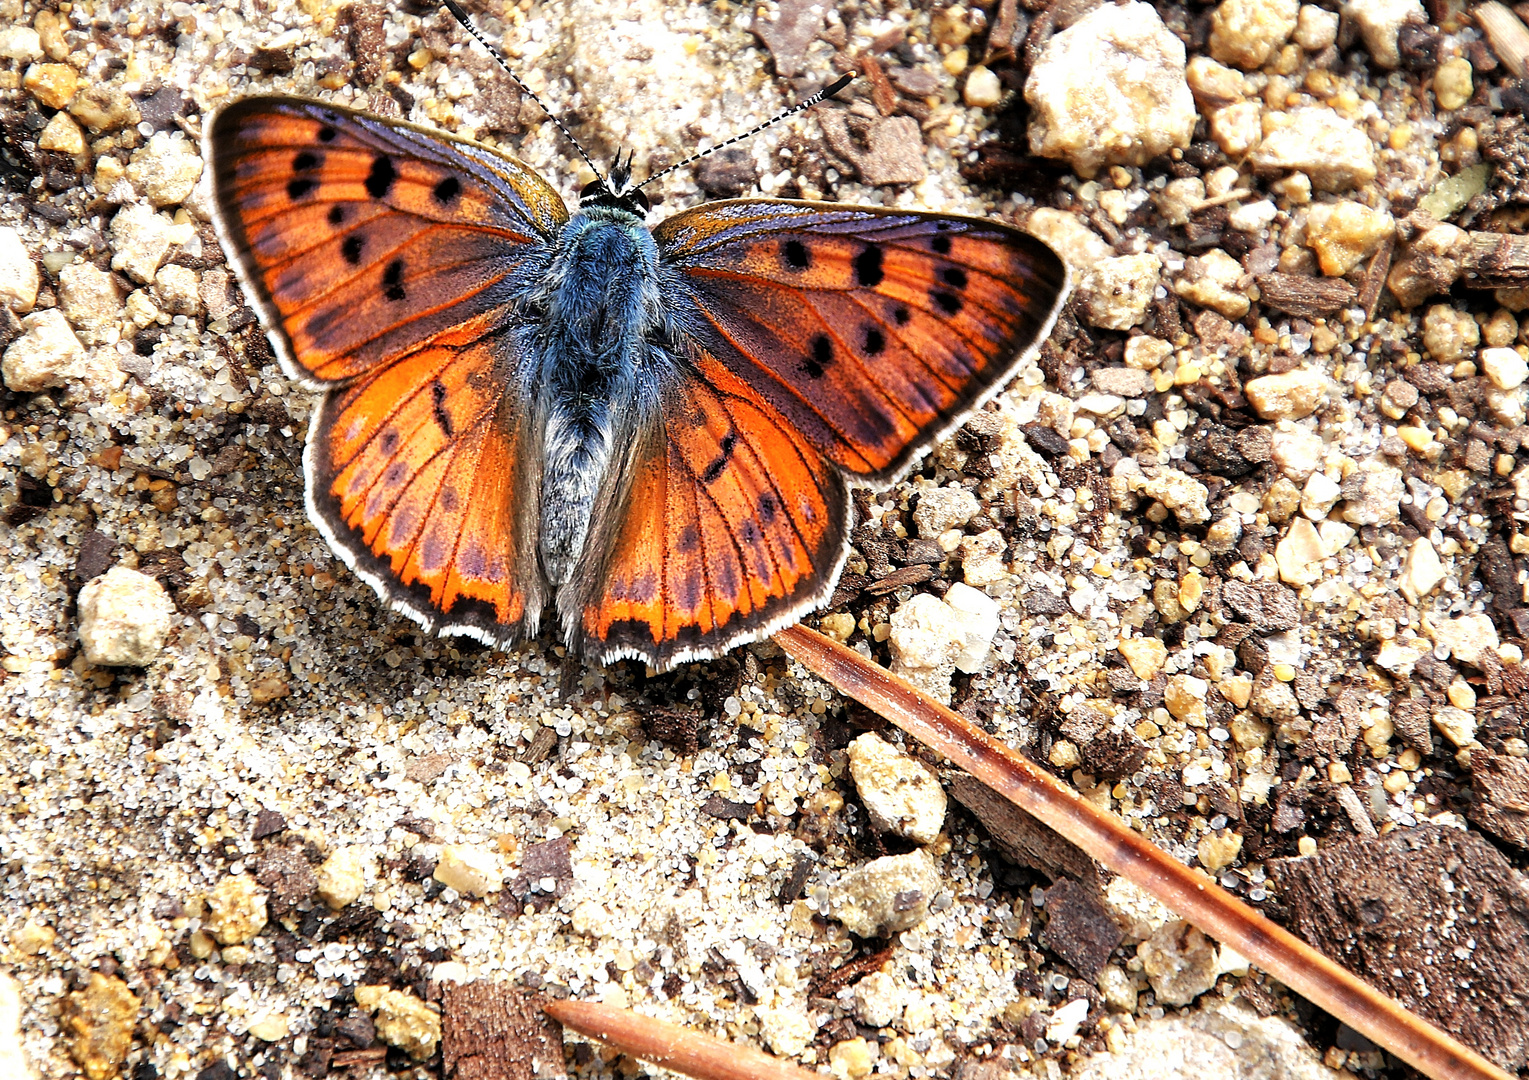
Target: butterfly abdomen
601 302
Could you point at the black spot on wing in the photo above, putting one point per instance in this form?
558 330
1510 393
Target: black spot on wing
438 400
941 245
954 276
718 465
327 134
768 507
337 215
300 186
822 355
305 161
868 272
796 254
351 248
379 181
392 280
446 190
900 315
875 340
949 303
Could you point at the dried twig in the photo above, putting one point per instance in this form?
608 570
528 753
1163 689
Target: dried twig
1103 836
672 1046
1508 36
1497 261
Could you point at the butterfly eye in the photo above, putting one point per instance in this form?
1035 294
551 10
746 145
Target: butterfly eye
638 200
592 190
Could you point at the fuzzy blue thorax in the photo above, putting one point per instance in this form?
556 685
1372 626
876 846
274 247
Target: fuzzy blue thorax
601 305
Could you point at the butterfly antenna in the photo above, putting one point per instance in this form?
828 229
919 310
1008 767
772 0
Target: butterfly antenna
822 95
468 25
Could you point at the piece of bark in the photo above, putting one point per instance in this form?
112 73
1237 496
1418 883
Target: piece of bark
1375 277
907 575
1079 928
494 1031
1497 261
1436 917
1501 785
1022 838
1305 297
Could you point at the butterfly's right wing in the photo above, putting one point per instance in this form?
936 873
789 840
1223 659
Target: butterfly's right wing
733 526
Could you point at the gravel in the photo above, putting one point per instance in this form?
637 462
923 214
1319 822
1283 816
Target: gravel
1304 532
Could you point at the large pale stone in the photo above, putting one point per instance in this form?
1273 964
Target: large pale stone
1287 396
901 794
1110 90
885 895
1331 151
124 618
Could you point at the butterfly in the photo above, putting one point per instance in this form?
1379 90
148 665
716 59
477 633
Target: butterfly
649 434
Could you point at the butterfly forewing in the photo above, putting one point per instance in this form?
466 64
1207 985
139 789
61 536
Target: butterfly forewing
362 239
871 331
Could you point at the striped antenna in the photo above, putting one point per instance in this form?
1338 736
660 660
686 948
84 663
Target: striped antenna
822 95
468 25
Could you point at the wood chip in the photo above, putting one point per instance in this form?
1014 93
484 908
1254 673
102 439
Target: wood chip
1435 917
491 1031
1497 261
1375 277
1508 36
883 96
1023 839
1305 297
908 575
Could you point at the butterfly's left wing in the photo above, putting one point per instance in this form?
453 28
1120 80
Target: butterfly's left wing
871 331
386 261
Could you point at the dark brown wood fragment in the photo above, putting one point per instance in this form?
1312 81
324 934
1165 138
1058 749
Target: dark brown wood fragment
908 575
1497 261
1501 785
1022 838
1375 277
494 1031
1305 297
1079 929
1435 917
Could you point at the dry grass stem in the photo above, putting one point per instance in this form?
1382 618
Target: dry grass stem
1107 839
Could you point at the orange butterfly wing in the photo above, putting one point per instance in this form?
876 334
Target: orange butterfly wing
361 239
872 331
381 258
733 525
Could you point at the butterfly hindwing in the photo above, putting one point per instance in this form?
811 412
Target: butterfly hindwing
732 527
361 238
872 331
418 473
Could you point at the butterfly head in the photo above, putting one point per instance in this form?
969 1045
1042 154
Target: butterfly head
616 190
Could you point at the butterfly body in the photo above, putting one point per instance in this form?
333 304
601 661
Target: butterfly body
600 341
650 433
